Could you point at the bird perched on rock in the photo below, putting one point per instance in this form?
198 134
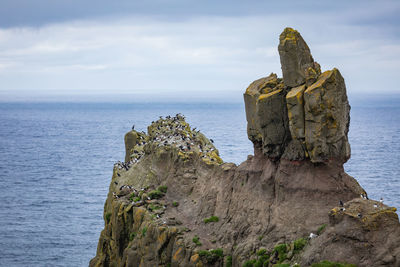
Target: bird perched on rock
133 127
312 235
359 215
340 203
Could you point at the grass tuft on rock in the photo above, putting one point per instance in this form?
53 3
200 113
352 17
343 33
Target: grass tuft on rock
108 217
196 240
132 196
155 194
144 231
211 219
211 256
281 249
163 188
261 252
321 229
299 244
249 263
175 204
228 262
132 236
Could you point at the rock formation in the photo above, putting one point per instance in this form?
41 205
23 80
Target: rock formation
174 202
305 115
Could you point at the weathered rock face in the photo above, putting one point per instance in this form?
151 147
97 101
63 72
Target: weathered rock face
358 227
174 202
266 114
296 60
327 118
305 115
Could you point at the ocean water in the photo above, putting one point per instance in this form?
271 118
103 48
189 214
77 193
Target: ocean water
56 163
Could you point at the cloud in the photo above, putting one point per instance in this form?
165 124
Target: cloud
200 57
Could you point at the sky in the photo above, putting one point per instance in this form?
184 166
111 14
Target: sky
159 50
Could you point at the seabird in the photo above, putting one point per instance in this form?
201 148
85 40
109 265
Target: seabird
381 200
312 235
340 203
118 174
212 141
375 206
133 127
359 215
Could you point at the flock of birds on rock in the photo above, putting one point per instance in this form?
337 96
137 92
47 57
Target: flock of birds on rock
359 215
174 132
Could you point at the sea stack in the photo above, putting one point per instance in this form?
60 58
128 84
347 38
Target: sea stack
304 115
175 203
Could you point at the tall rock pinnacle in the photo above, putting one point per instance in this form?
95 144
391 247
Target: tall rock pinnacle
296 60
303 116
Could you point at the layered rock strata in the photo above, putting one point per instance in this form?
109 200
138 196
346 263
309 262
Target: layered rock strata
174 202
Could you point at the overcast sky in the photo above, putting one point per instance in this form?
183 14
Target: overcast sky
165 50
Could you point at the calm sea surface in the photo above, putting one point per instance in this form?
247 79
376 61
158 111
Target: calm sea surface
56 163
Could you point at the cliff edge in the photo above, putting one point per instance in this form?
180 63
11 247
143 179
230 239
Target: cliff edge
174 202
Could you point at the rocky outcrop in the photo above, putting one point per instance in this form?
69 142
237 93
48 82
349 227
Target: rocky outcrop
174 202
303 116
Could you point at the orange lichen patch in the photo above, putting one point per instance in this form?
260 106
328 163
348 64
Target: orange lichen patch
296 92
195 258
289 34
162 237
178 254
263 97
321 80
260 85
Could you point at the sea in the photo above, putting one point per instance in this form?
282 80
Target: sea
56 162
